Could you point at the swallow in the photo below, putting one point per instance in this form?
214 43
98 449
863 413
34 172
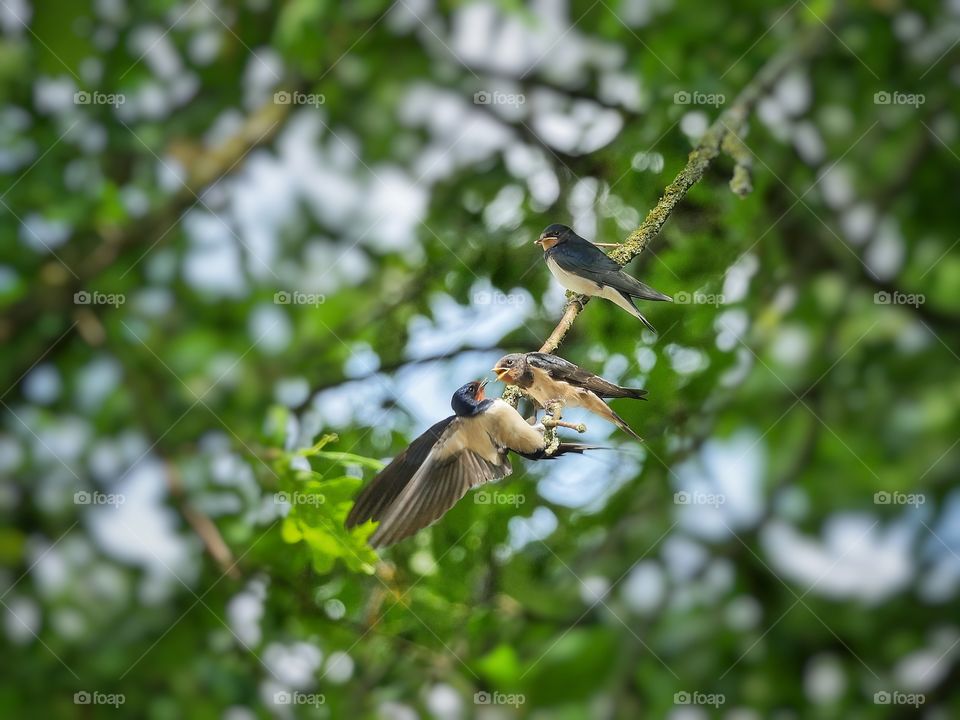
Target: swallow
545 378
460 452
581 266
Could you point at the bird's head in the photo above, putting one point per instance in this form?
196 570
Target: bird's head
467 400
555 234
510 367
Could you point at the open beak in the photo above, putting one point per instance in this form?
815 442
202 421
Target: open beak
500 372
479 394
538 241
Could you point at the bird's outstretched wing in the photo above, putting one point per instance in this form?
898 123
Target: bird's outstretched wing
408 496
590 262
381 492
566 371
442 465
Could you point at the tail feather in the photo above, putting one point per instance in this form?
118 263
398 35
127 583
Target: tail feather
655 295
599 407
562 449
578 448
625 392
622 424
631 308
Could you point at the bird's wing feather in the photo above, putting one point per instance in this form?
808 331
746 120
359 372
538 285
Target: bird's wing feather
591 263
440 482
381 492
566 371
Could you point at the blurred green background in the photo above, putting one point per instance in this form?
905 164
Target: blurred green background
232 230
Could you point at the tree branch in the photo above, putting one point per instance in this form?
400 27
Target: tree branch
205 528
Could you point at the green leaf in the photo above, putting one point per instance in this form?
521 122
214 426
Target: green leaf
317 446
345 458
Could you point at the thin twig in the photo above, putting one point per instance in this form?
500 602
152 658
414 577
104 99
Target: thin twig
202 525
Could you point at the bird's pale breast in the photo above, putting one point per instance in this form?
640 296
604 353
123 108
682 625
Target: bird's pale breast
571 281
545 389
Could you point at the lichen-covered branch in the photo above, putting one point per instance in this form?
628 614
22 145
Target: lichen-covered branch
722 136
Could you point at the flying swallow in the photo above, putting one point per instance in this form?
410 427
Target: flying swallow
545 378
456 454
581 266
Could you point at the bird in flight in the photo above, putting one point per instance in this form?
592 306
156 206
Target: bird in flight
581 266
545 378
460 452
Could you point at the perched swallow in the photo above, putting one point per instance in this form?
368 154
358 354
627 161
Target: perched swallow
581 266
458 453
545 378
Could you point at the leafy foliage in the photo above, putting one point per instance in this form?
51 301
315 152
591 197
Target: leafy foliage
202 284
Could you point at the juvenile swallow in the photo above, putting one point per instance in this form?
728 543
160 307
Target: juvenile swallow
581 266
545 378
465 450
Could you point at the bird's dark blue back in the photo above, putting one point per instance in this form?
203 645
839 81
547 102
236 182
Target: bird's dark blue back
579 254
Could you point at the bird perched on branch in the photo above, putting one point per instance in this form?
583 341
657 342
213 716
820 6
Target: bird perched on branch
458 453
546 378
581 266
